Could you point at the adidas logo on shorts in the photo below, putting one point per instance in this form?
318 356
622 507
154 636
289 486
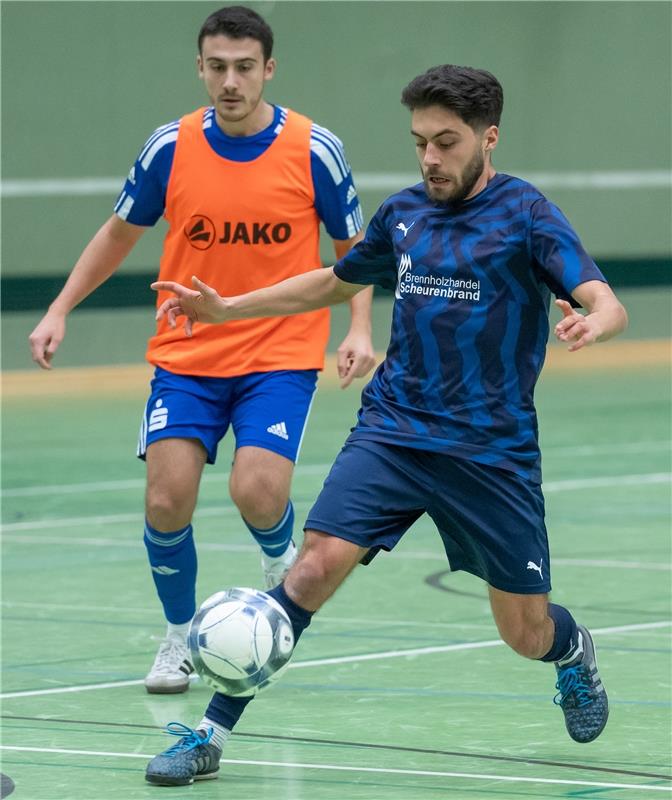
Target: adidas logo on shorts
279 429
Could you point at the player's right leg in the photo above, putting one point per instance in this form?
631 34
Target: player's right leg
174 468
321 567
184 420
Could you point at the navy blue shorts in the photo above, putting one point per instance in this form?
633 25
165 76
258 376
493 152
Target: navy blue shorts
491 520
265 409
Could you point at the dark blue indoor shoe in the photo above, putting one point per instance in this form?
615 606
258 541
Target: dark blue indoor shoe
581 694
191 759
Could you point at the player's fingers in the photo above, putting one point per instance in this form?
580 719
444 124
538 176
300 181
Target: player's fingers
574 330
343 357
166 286
363 363
166 306
565 307
346 379
203 288
188 327
42 359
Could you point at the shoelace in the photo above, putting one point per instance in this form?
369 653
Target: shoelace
190 738
573 680
169 652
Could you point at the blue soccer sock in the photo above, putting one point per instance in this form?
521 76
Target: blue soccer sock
275 541
225 711
566 638
172 557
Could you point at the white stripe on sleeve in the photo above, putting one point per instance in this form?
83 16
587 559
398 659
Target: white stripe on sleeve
334 144
328 160
166 138
156 135
124 209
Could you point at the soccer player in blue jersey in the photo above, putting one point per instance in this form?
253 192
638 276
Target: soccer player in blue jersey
447 425
243 185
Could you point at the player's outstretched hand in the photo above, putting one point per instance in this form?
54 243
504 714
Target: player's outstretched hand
576 329
354 358
200 304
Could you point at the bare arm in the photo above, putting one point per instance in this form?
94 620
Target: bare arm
306 292
355 355
606 316
99 259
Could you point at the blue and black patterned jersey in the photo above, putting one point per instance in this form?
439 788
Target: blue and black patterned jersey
470 324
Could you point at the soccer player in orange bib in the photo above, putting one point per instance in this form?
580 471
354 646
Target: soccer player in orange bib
243 185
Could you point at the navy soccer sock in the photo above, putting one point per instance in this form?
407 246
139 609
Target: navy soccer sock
225 710
172 557
566 639
274 541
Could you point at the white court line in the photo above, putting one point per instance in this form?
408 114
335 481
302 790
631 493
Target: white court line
319 662
318 469
405 555
151 613
365 181
135 483
416 773
603 481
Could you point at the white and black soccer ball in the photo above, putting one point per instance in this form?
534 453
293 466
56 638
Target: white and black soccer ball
241 641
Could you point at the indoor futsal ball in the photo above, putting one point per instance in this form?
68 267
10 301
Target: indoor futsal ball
241 641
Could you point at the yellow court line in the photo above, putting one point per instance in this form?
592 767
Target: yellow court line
134 378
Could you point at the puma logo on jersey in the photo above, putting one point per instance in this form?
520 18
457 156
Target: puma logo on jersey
401 227
279 429
532 565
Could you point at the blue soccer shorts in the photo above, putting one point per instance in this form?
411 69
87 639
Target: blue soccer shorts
266 409
491 520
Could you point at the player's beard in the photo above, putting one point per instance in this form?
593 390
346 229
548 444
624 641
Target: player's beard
460 189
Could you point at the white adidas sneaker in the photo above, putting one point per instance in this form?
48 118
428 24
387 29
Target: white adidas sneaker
275 569
171 669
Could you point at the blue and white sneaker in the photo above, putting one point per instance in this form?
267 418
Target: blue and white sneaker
581 695
193 758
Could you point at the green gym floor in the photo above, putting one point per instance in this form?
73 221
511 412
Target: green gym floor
400 688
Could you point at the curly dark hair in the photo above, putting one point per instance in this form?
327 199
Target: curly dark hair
475 95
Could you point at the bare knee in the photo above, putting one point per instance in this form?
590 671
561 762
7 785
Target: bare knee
260 499
167 510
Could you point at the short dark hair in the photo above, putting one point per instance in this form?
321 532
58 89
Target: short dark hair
238 22
475 95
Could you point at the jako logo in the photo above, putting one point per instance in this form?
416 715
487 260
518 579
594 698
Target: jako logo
256 233
405 264
200 232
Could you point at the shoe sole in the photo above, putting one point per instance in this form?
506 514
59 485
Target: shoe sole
179 688
163 780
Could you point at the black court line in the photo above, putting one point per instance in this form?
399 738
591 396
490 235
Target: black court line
435 580
365 746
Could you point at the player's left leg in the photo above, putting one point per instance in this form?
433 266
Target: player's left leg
540 630
492 525
269 415
321 567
